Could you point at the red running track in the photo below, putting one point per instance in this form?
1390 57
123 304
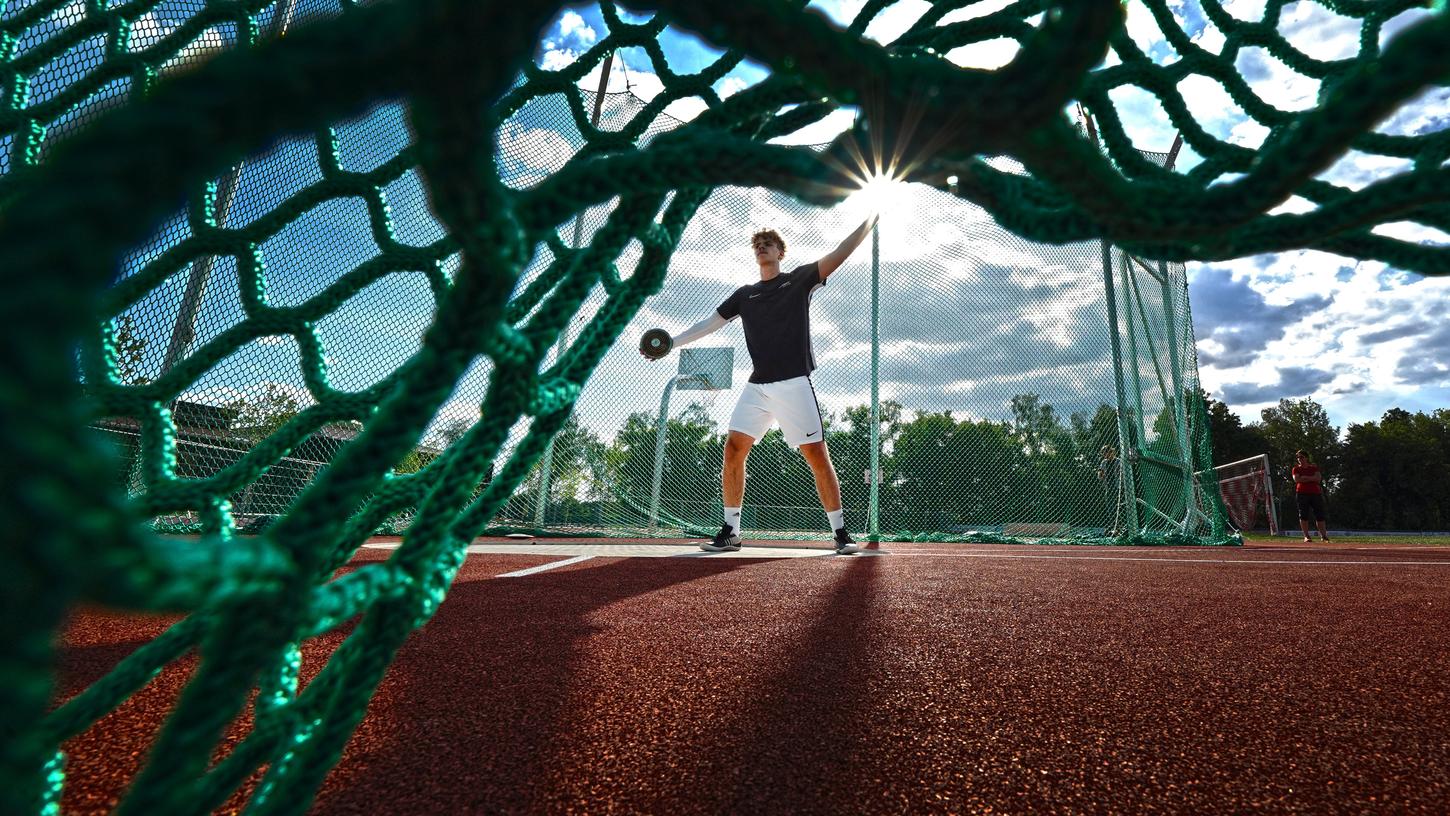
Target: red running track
939 678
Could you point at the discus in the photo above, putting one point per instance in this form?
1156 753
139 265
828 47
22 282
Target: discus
655 343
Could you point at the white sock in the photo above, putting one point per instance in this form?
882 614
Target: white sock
837 519
732 518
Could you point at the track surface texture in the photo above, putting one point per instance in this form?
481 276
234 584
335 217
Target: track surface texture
935 678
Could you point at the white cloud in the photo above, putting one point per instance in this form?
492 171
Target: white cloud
975 10
1248 10
987 55
1210 39
1276 83
1143 30
1318 32
729 86
531 154
572 26
555 59
1353 338
889 24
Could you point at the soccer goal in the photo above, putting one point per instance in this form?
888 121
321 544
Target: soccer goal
1247 490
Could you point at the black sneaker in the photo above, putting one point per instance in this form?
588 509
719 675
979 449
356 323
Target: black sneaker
845 545
725 541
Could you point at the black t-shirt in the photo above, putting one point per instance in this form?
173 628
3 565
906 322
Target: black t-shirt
776 317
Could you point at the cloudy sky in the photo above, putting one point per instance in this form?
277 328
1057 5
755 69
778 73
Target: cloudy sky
1356 336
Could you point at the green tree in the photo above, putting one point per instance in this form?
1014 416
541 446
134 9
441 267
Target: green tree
573 484
130 349
1230 438
1090 435
452 431
1299 425
690 483
780 489
958 474
1034 423
260 415
850 445
1395 473
1064 484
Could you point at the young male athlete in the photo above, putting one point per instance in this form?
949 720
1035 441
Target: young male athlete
775 313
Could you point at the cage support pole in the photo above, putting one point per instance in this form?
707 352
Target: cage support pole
183 332
1125 440
546 463
873 515
1180 413
659 472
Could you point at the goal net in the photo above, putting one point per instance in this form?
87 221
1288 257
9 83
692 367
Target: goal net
1248 493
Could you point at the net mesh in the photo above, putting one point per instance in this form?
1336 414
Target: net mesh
355 278
1247 495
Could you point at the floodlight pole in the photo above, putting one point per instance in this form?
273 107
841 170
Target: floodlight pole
654 488
873 517
546 465
183 332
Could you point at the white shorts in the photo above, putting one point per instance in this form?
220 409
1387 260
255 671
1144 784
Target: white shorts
791 402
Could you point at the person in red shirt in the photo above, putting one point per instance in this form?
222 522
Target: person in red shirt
1309 495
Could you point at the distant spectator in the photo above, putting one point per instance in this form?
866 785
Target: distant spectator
1309 494
1110 472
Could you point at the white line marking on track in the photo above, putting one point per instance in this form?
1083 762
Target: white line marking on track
579 552
1170 560
546 567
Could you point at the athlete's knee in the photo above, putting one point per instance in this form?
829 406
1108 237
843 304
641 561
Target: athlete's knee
815 453
737 446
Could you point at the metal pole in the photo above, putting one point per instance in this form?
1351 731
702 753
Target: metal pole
1175 362
1130 294
546 466
654 490
183 332
1125 440
1269 488
873 519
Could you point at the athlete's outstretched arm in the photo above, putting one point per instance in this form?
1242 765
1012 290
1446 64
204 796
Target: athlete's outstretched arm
709 325
833 259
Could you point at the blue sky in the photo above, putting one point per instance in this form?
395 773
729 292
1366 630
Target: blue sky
1357 336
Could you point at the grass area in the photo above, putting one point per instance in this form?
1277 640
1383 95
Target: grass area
1360 539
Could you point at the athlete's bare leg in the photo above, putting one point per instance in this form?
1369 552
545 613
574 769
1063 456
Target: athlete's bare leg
732 480
827 485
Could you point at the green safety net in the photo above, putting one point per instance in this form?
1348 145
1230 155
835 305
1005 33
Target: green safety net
283 275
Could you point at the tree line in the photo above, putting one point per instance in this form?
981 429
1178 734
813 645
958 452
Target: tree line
1393 474
938 472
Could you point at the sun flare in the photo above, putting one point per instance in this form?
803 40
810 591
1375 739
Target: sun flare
883 195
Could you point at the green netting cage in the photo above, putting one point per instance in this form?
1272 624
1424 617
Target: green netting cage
993 370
